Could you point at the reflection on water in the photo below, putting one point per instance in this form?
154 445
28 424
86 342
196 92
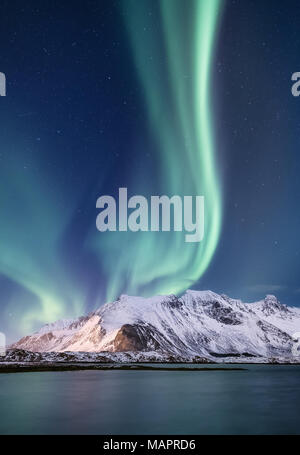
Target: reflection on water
262 400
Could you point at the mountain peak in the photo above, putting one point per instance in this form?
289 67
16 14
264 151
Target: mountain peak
271 298
202 295
272 305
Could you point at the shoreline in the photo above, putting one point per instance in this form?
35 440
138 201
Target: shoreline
23 368
32 367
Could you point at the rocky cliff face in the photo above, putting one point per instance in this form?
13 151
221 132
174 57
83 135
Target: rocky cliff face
200 323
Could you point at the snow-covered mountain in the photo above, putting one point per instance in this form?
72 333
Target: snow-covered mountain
200 323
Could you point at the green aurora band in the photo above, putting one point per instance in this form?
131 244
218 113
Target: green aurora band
175 73
28 247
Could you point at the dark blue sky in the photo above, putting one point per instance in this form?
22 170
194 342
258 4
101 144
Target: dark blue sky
259 126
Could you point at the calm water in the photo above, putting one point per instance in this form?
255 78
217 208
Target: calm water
262 400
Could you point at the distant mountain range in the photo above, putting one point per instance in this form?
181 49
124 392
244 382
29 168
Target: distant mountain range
199 324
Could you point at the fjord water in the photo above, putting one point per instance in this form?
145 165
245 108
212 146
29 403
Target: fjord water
264 399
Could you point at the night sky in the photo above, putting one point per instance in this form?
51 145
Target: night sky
161 97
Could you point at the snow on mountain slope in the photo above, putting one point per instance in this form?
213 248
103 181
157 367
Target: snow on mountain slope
269 309
200 323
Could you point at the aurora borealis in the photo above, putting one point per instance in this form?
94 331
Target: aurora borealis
178 106
161 98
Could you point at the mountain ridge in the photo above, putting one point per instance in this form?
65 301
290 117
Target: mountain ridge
199 323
